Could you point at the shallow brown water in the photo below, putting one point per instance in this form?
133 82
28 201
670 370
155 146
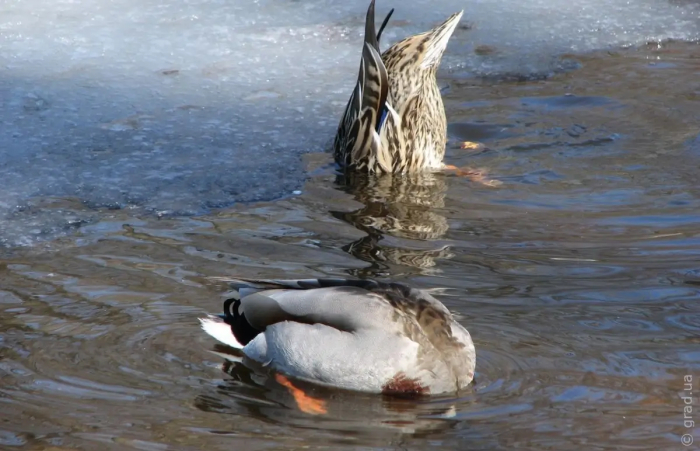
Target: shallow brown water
579 279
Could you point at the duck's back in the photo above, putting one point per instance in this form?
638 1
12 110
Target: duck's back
371 337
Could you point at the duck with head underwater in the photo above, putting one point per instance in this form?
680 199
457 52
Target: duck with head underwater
360 335
395 120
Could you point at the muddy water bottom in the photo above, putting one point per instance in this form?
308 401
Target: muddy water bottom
578 277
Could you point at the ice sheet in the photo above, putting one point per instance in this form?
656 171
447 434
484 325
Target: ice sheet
177 107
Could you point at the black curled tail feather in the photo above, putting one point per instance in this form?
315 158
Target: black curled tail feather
381 28
240 327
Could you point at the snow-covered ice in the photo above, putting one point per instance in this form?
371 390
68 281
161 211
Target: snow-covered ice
180 106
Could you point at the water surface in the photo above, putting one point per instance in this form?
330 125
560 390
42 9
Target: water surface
578 277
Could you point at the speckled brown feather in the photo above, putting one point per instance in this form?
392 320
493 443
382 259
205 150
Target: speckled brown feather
426 322
413 135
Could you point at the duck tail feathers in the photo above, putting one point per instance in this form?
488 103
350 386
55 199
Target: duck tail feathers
437 40
217 328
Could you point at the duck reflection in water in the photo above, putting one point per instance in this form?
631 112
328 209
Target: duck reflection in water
405 206
253 392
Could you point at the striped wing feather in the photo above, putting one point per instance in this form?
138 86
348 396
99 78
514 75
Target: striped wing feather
358 141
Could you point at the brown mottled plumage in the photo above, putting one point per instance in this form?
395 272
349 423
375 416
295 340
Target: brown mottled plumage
395 120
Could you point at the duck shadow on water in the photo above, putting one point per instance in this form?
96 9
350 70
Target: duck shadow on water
406 207
250 389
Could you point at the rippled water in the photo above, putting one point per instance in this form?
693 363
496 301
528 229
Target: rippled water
578 277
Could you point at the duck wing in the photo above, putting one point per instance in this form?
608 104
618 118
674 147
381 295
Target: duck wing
357 142
344 304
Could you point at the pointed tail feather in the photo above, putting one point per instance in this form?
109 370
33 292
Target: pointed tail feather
370 30
437 40
371 34
381 28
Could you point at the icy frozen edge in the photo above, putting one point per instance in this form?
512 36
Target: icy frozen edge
179 107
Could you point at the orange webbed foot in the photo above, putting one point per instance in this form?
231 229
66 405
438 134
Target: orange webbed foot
306 403
475 175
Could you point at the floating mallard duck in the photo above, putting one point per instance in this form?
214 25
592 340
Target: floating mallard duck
395 120
358 335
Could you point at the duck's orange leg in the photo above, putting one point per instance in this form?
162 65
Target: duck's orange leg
475 175
306 403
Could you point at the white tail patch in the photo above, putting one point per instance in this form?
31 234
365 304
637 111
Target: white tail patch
218 329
